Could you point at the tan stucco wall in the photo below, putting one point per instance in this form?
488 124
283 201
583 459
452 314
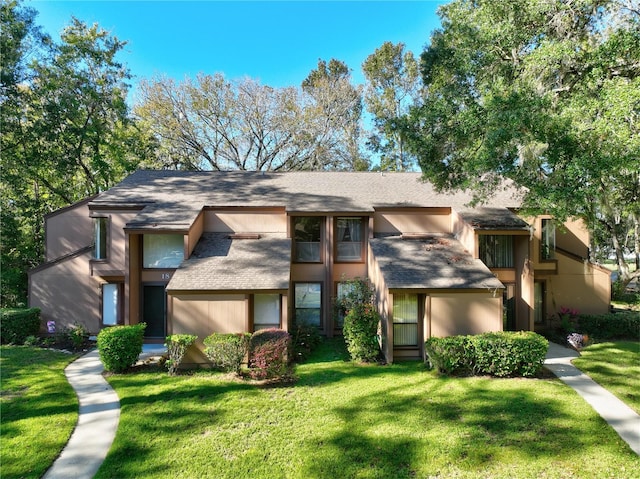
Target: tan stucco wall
464 233
67 231
465 313
67 294
579 285
427 220
203 314
384 304
250 221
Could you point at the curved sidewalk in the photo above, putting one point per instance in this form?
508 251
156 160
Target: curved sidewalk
97 421
620 417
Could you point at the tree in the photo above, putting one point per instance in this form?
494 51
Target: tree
545 94
393 85
219 124
334 112
66 131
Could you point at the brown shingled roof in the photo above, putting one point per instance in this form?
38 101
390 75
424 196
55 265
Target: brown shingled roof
435 262
220 263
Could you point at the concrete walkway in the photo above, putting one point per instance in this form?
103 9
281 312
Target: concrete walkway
97 421
620 417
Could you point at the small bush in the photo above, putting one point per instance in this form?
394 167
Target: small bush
32 341
177 345
498 354
269 354
77 335
17 324
227 351
305 338
622 325
449 355
120 346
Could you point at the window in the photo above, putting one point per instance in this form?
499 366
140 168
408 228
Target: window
539 306
349 239
100 228
509 307
405 320
162 251
496 251
266 311
548 240
308 303
307 239
110 304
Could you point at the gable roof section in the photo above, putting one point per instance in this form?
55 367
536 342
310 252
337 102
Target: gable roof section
219 263
298 192
435 262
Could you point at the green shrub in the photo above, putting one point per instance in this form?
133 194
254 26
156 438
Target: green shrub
305 338
498 354
77 335
17 324
449 355
361 321
32 341
227 351
177 345
120 346
621 325
269 354
503 354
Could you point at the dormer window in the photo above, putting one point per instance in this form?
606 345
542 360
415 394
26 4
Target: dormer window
100 229
496 251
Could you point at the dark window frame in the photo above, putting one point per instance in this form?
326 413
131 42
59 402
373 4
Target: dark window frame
418 323
321 309
488 246
294 240
252 326
363 244
547 248
101 238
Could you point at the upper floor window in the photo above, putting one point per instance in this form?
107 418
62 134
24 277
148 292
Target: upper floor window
548 240
307 234
162 251
496 251
100 228
349 239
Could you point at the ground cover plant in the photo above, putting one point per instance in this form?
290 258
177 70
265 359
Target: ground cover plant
615 366
346 419
38 407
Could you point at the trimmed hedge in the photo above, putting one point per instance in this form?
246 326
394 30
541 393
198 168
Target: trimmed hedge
16 325
621 325
120 346
498 354
270 354
227 351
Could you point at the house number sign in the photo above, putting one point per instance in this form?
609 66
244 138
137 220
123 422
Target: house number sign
165 276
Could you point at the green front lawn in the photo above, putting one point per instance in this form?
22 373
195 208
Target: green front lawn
38 410
342 420
615 366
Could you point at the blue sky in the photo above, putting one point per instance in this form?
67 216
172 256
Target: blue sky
275 42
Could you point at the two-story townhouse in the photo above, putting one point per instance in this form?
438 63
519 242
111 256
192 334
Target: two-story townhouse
198 252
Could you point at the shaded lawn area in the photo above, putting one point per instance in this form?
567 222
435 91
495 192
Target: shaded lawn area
614 365
342 420
38 409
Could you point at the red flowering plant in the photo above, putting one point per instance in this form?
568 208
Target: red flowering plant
568 319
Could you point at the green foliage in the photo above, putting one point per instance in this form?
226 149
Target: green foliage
227 351
120 346
177 345
77 335
621 325
449 355
499 354
17 324
270 354
361 322
305 339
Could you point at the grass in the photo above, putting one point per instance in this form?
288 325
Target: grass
38 410
616 367
359 421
